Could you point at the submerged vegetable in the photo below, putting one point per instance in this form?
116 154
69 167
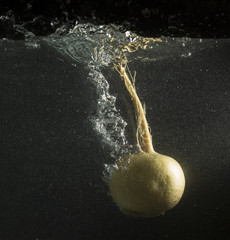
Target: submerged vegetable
147 183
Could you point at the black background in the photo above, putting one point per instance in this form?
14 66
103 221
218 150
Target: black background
197 18
51 159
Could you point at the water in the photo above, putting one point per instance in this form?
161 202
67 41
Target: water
101 48
52 163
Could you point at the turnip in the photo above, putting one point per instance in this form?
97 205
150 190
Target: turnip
145 184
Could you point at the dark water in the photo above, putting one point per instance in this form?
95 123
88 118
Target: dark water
64 117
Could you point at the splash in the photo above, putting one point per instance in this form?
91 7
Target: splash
99 47
107 46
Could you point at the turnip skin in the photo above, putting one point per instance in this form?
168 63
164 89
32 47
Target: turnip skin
147 184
